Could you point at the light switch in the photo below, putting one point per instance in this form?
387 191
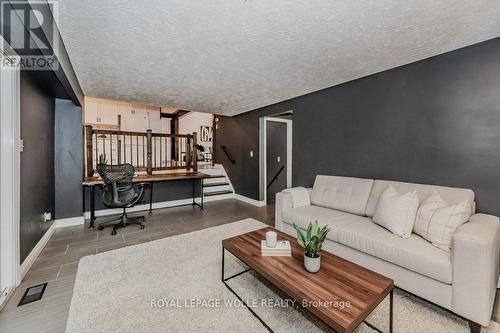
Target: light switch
251 153
278 159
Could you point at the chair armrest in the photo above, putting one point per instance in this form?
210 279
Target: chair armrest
475 261
140 195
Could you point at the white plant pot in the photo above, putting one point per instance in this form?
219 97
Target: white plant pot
312 265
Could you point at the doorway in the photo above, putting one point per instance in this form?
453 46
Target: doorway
275 156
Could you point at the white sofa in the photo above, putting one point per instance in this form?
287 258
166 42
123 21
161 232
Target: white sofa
463 281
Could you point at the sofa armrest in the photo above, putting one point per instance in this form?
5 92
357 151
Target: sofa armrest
283 201
475 261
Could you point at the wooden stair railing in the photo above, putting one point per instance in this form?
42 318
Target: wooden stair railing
224 149
275 177
146 151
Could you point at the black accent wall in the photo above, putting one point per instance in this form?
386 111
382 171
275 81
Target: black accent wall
37 162
68 159
436 121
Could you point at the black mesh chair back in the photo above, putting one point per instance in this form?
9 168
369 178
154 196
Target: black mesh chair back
119 188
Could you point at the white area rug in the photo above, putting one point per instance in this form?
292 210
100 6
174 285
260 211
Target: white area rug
154 287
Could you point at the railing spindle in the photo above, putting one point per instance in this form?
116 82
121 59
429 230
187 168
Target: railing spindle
119 149
195 151
90 151
149 139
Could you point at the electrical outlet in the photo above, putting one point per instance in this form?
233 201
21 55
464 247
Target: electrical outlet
278 159
251 153
21 145
47 217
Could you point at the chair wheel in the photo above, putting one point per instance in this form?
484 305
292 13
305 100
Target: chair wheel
100 227
113 232
142 226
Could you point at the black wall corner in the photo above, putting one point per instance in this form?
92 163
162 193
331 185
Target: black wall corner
68 159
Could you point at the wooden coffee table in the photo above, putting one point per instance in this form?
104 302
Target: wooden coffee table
337 281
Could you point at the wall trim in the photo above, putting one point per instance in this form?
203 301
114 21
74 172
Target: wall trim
69 222
30 259
33 255
250 201
139 208
157 205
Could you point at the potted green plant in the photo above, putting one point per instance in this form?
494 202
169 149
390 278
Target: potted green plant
102 159
101 162
312 241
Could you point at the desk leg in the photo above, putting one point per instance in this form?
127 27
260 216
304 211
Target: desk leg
92 206
194 194
391 319
194 190
150 198
201 193
84 193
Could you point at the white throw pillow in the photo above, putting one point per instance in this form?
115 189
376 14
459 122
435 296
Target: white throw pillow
396 212
437 221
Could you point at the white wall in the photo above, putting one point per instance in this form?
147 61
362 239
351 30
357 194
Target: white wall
192 122
165 125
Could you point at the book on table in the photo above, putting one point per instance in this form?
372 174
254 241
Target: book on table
282 249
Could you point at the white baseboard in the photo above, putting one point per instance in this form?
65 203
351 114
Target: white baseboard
69 222
138 208
30 259
250 201
167 204
5 296
33 255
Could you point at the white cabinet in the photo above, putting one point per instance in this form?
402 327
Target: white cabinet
101 112
140 120
108 113
91 112
134 117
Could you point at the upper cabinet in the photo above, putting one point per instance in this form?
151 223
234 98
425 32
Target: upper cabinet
100 112
108 114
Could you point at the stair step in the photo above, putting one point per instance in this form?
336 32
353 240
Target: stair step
209 194
215 184
216 176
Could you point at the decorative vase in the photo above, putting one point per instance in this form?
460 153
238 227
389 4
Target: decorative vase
312 264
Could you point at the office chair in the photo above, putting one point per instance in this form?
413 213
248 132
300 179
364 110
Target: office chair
119 192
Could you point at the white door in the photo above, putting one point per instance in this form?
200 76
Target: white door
9 177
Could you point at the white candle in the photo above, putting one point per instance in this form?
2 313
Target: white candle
271 238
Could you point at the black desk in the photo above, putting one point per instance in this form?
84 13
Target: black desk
92 182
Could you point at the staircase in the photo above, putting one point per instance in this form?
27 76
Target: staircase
218 186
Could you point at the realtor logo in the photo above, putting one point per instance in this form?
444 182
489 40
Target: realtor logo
30 28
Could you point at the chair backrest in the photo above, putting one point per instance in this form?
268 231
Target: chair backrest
120 174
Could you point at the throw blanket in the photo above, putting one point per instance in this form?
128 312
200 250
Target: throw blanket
300 196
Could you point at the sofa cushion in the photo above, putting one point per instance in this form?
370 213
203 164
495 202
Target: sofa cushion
413 253
342 193
437 221
396 212
452 195
302 216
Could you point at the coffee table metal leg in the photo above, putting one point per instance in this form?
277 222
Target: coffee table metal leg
391 300
237 296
